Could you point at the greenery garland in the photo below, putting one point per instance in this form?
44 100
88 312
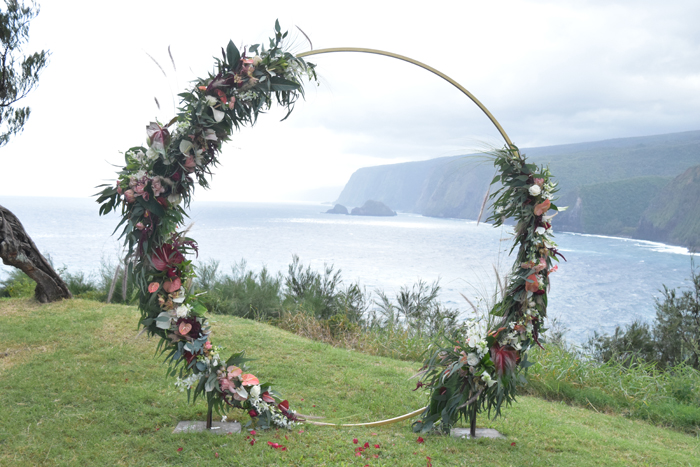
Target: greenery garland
480 366
156 185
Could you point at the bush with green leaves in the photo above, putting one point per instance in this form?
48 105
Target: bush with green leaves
673 338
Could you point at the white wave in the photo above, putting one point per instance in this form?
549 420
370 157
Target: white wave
654 246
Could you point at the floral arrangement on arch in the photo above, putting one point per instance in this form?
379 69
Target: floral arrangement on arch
480 366
155 186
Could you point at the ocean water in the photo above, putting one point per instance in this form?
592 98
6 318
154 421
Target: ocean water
605 281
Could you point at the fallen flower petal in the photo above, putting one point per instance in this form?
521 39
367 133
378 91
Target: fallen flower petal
355 441
366 445
420 440
376 446
513 443
179 449
216 454
252 432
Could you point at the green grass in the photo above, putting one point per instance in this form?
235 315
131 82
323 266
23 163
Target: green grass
77 388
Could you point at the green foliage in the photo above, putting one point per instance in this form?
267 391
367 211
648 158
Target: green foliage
628 386
417 309
19 73
322 294
243 293
673 339
17 284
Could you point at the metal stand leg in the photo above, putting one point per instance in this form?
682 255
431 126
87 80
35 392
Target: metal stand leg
209 418
472 427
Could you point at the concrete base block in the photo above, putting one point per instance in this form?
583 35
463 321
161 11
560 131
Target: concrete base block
219 428
480 433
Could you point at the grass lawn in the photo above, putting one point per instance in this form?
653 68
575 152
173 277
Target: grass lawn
77 388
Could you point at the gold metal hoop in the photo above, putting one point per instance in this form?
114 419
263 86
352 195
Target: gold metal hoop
424 66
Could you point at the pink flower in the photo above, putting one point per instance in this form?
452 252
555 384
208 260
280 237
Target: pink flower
184 328
153 287
539 181
249 380
531 285
140 226
129 196
541 266
543 207
234 372
190 164
172 285
207 346
157 186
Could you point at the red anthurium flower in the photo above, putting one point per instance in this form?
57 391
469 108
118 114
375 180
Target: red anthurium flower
531 285
284 405
504 358
543 207
166 256
266 397
153 287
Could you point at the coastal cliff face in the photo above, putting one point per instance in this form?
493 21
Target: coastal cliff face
674 215
611 187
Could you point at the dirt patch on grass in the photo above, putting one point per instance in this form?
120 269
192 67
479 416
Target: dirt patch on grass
11 356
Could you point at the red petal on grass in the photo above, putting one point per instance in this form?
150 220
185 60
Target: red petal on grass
358 454
366 445
252 442
504 358
284 448
513 443
376 456
376 446
374 434
179 449
252 432
216 454
355 441
420 440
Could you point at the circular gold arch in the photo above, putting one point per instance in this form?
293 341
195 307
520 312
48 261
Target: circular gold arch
424 66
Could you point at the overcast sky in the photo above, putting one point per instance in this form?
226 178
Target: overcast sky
551 72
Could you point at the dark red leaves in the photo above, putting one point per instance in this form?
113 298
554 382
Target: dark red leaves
504 358
166 256
419 385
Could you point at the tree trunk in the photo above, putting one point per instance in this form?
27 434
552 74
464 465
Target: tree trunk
18 250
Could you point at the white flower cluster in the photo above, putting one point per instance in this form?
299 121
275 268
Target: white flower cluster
475 337
187 383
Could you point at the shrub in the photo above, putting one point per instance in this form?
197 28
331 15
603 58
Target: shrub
673 338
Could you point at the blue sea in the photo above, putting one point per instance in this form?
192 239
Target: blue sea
605 281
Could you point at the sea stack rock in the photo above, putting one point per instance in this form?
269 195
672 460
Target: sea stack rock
338 209
373 208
